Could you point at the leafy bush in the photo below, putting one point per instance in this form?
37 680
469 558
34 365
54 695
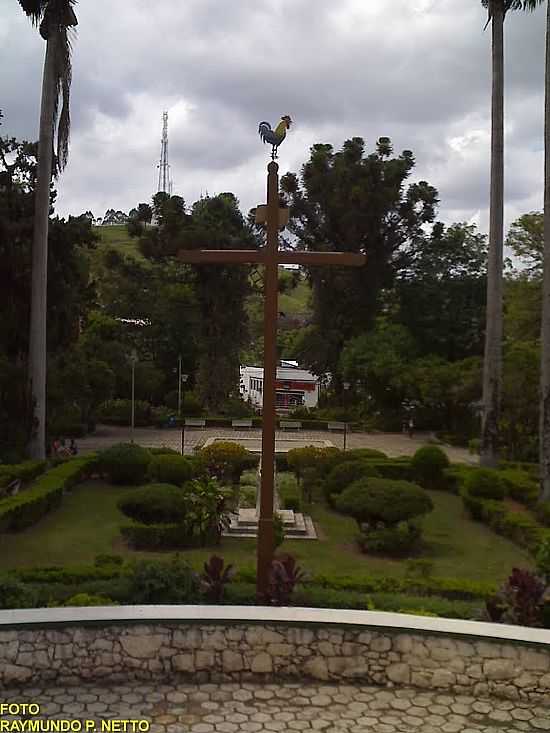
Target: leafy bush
155 504
68 575
395 541
14 594
85 599
520 485
214 579
169 469
160 582
281 462
519 600
119 412
287 488
27 507
299 459
225 460
345 474
125 463
278 531
428 464
292 502
284 575
376 500
453 478
485 483
543 558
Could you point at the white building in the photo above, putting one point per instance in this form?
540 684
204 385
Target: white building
294 387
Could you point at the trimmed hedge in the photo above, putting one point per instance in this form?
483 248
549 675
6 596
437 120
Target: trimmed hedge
26 471
485 483
172 469
161 536
156 504
344 474
518 527
125 463
374 500
395 541
428 464
400 470
26 508
520 485
368 454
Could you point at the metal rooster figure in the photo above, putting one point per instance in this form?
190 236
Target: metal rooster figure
274 137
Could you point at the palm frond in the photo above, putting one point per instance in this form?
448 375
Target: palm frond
63 78
34 9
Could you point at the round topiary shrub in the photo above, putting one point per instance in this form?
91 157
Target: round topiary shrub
171 469
428 465
375 501
164 451
345 474
225 460
125 463
155 504
485 483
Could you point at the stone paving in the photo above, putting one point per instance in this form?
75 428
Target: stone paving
232 708
393 444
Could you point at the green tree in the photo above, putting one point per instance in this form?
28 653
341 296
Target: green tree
526 239
492 369
221 291
440 291
55 18
144 214
357 202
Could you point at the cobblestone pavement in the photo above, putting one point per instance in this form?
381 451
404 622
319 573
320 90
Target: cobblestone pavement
393 444
232 708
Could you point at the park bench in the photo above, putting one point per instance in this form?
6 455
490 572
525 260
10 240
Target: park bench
241 423
195 422
336 426
290 425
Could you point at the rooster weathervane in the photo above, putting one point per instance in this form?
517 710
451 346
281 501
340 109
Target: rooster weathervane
274 137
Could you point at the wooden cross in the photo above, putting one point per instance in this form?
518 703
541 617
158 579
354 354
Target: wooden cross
271 257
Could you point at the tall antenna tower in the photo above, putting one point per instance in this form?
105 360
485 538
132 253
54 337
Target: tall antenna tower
165 184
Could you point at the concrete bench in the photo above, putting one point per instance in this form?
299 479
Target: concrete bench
290 425
195 422
241 423
336 426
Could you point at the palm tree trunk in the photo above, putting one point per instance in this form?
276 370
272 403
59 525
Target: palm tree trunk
493 334
37 338
544 435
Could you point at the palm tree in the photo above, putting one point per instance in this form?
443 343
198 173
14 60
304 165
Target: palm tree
54 18
492 365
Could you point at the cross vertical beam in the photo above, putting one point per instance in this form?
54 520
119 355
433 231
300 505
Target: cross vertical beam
271 258
271 285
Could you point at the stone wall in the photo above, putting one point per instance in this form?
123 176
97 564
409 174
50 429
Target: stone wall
246 651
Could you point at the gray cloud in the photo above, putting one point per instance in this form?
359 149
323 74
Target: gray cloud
417 71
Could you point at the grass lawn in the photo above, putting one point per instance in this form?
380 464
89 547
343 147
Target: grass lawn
87 523
118 237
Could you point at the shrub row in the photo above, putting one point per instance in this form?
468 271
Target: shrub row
26 471
161 536
26 508
518 527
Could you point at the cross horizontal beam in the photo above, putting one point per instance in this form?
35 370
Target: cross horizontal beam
283 257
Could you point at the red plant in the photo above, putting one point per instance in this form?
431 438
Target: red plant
519 601
284 575
215 577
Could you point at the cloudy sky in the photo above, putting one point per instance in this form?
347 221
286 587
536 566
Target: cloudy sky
417 71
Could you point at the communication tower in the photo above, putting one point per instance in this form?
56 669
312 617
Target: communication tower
165 183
